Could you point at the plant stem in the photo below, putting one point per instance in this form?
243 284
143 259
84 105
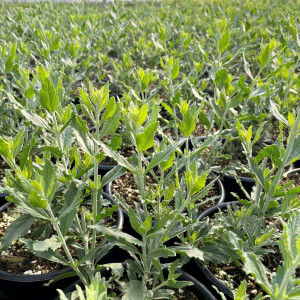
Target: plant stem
95 191
65 247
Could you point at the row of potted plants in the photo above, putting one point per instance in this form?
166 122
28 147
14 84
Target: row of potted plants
59 191
124 175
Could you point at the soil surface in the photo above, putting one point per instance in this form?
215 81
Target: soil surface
276 132
184 294
126 188
17 259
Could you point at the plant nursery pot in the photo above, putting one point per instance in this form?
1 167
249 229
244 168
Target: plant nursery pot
203 273
3 198
103 169
297 164
198 289
31 287
231 186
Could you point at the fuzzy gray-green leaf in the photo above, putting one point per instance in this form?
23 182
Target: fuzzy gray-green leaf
15 230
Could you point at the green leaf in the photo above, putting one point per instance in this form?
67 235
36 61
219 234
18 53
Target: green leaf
134 222
117 234
241 291
221 77
49 179
163 252
295 151
145 140
118 158
35 119
265 237
175 69
62 296
84 141
110 109
48 254
66 137
111 125
271 152
249 134
15 230
18 144
224 41
289 242
188 250
164 294
277 114
135 290
253 266
36 200
203 119
9 64
188 124
222 100
24 156
168 163
115 142
55 44
264 56
179 284
164 155
100 97
67 220
167 108
5 149
48 96
199 184
85 98
53 243
295 292
53 150
143 114
113 174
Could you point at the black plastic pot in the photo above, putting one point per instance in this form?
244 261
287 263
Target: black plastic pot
198 289
3 198
231 186
297 164
203 273
31 287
